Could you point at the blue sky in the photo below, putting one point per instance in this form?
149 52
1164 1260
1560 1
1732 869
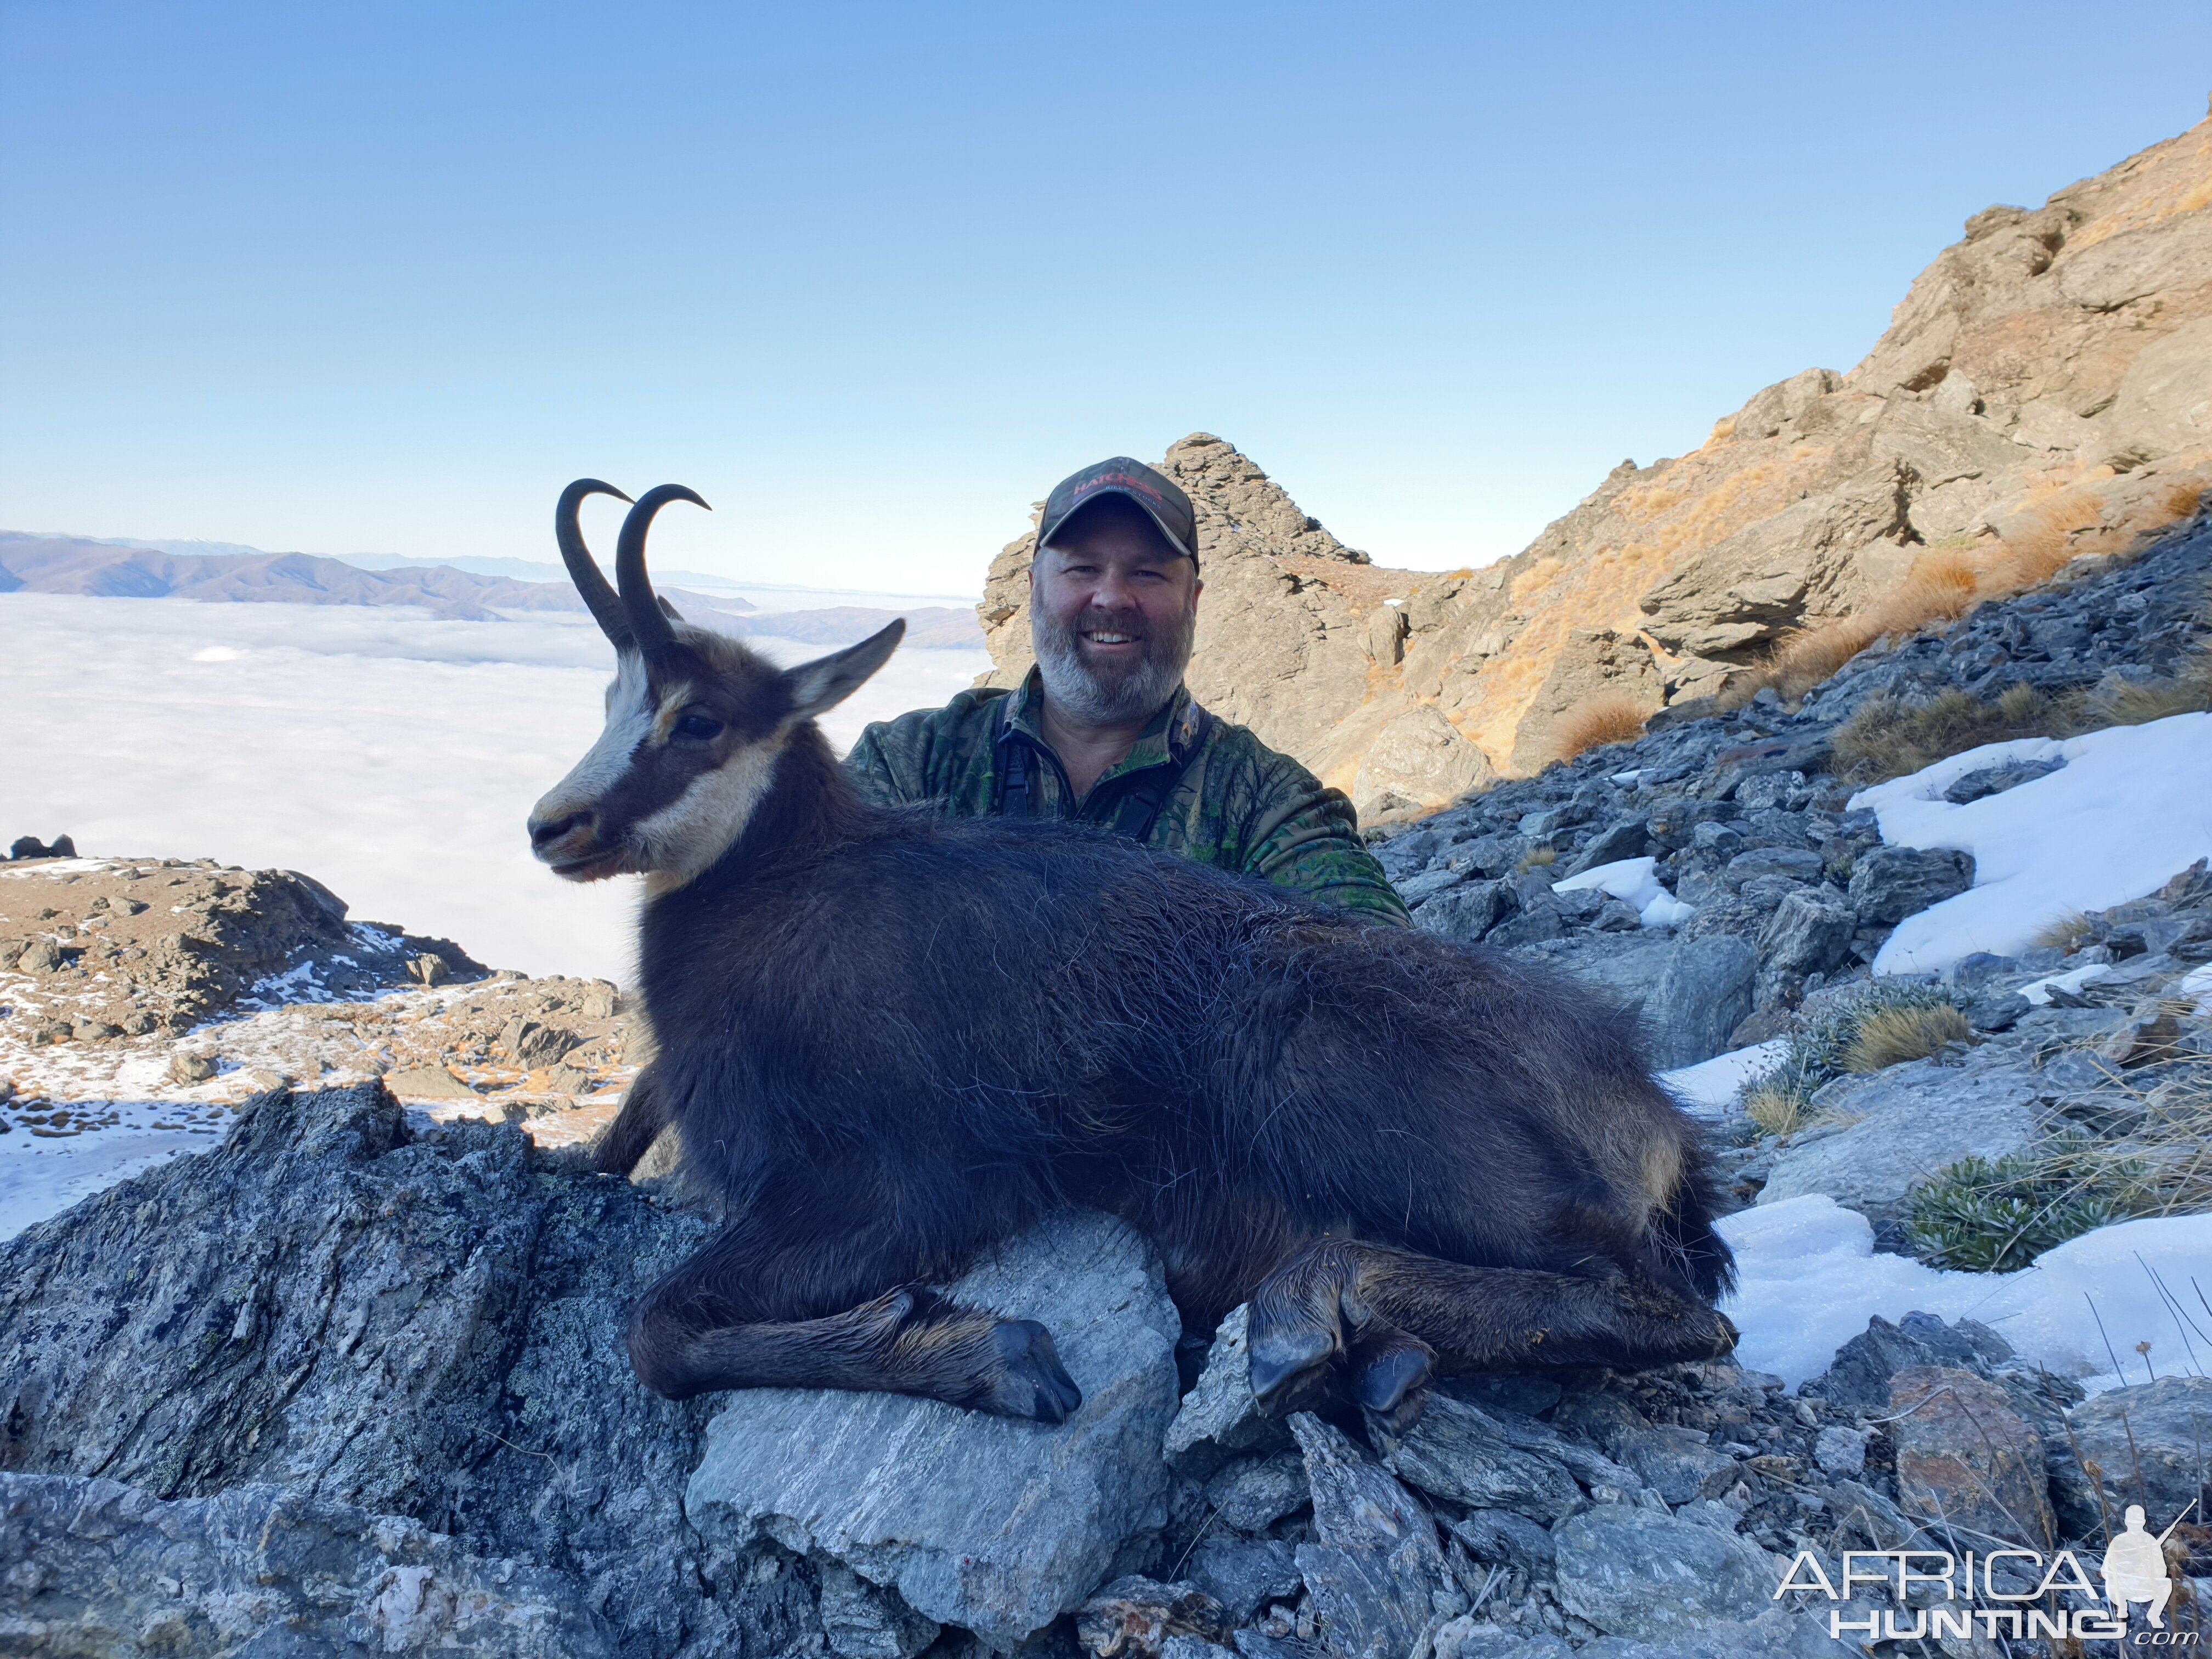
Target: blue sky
382 278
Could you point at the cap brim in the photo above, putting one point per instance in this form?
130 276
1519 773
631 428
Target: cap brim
1044 536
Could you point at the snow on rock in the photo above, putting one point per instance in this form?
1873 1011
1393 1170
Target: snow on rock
2124 812
2038 991
1808 1279
1632 881
1709 1088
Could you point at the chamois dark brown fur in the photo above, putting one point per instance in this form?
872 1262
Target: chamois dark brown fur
889 1039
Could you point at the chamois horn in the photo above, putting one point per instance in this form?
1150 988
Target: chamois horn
648 622
599 599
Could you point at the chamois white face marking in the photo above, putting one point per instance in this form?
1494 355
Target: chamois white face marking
665 790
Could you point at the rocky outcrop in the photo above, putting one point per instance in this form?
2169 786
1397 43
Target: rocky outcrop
2043 382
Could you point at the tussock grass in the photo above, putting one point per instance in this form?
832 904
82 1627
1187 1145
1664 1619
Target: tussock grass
2068 931
1779 1100
1535 857
1994 1216
1605 717
1888 738
1890 1037
2188 691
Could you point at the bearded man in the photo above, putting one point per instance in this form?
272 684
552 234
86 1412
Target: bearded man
1103 731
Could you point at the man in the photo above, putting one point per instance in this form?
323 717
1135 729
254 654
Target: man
1103 731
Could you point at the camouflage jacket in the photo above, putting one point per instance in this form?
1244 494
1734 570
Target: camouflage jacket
1237 804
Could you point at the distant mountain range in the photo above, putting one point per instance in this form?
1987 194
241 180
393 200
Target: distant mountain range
452 592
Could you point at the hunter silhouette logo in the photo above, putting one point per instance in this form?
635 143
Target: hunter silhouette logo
2134 1568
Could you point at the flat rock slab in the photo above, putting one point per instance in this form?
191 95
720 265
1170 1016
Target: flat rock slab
1914 1120
97 1567
996 1526
1645 1574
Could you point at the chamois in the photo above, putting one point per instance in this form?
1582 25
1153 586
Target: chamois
889 1039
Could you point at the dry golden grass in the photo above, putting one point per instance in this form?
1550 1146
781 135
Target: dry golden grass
1888 739
1535 857
1949 580
2188 692
2067 931
1776 1109
1606 717
1890 1037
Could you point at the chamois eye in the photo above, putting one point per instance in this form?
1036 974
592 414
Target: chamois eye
698 727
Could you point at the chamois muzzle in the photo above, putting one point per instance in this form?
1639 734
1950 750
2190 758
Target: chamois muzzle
648 624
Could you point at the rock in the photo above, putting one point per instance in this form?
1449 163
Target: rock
1422 755
1892 883
1218 1417
97 1567
428 1082
190 1068
1859 1378
1244 1574
1136 1615
1592 664
996 1526
2152 1033
1965 1456
1640 1573
1673 1460
1840 1450
1465 913
28 846
1795 862
1996 780
1774 1634
427 1327
531 1044
2149 1441
1914 1120
1508 1540
1809 933
1252 1493
1377 1565
1629 839
862 1622
1704 993
39 956
93 1030
1458 1452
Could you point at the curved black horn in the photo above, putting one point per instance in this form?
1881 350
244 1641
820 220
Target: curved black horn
601 600
647 621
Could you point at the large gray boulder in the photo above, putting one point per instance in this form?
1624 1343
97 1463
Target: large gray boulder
996 1526
1704 995
1912 1122
2151 1441
95 1567
419 1324
1889 884
1645 1574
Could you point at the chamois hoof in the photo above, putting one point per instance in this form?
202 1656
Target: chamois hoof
1290 1364
1026 1377
1389 1376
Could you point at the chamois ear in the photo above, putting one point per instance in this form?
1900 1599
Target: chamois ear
668 610
828 681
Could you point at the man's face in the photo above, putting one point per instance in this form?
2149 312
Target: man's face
1113 610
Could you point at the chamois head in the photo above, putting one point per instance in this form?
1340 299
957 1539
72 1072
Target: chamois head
696 721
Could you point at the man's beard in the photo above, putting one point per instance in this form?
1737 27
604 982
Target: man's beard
1114 693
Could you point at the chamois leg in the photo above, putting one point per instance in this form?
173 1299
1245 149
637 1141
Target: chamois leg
637 1126
1377 1310
697 1332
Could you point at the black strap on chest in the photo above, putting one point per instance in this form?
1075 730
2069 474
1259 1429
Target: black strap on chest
1141 801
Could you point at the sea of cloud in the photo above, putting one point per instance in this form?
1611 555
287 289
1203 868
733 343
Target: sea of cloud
391 755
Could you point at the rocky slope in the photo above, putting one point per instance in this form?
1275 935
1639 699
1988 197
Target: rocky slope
2044 380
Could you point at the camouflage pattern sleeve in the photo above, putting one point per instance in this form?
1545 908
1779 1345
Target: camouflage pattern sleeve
888 763
1310 843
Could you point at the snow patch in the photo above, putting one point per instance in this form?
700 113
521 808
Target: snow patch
2131 808
1709 1088
1808 1279
2038 991
1632 881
